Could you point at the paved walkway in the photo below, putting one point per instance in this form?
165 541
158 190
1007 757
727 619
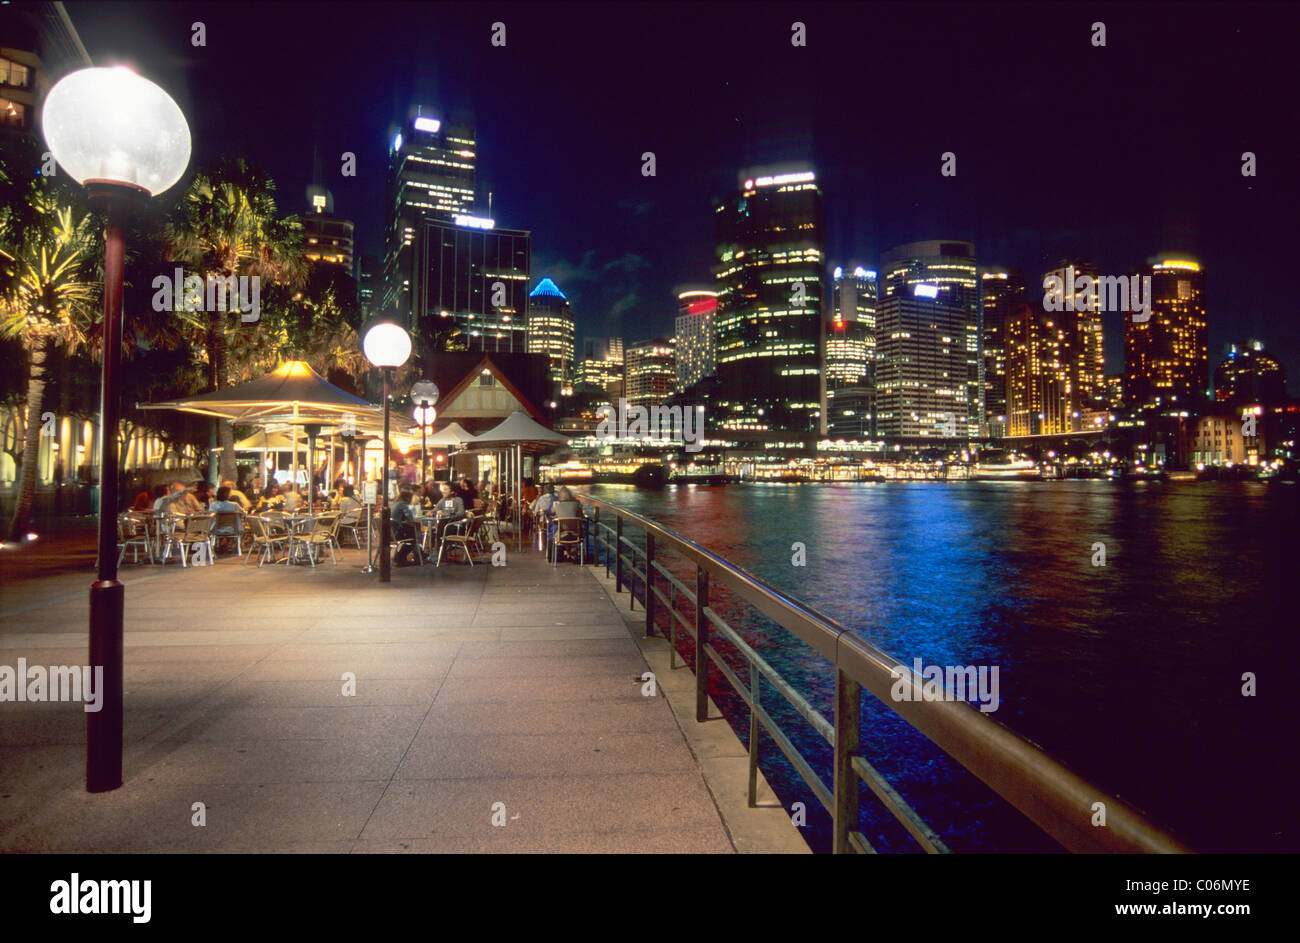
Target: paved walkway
516 685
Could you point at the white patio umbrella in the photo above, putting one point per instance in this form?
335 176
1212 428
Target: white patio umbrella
516 434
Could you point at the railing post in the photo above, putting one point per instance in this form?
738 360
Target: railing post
754 733
618 555
701 639
672 626
848 724
595 536
649 584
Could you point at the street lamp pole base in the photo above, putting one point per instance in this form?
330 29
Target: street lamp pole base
104 726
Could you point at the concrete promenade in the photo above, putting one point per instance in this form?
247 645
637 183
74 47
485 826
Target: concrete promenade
517 685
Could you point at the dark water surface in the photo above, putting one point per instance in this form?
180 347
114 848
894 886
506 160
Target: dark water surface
1131 673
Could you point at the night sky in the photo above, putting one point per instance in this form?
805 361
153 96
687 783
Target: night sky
1111 153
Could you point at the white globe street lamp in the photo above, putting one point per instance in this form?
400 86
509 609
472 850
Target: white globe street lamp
386 345
424 394
109 125
125 140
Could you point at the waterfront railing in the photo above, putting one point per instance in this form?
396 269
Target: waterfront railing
1059 802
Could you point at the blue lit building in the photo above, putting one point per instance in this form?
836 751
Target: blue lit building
551 330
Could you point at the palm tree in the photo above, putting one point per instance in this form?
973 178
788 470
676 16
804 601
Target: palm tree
226 225
47 297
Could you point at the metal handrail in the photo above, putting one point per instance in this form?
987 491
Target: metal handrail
1058 801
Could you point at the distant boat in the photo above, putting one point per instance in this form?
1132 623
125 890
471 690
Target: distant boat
571 472
650 475
643 474
1016 470
700 478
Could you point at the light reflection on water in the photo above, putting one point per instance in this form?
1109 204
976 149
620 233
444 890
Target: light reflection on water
1129 673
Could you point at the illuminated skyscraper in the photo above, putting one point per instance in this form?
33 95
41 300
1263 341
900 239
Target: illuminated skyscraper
602 365
550 330
326 237
928 342
696 336
650 372
369 277
472 286
1002 291
1167 356
1037 371
850 353
771 314
1247 374
1087 362
430 177
851 332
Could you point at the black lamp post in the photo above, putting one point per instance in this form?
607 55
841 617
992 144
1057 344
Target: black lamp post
386 345
424 394
124 140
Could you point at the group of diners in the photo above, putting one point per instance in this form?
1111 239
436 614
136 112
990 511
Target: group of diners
421 515
445 506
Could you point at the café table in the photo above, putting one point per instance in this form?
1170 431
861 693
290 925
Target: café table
298 523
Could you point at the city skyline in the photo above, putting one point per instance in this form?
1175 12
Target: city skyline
574 178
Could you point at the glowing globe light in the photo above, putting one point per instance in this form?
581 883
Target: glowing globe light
425 416
387 345
110 125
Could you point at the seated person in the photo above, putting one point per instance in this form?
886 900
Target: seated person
428 495
271 499
348 501
180 502
222 502
542 505
565 505
203 493
450 508
402 516
292 498
144 500
236 495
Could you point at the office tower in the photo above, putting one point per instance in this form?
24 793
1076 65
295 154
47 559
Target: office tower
649 371
1114 391
850 350
602 365
602 348
430 176
472 286
696 336
550 330
1002 291
1082 320
927 342
770 305
1167 356
1038 371
369 272
1249 375
851 332
325 238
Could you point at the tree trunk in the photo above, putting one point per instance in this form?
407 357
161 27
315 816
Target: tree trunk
217 367
31 442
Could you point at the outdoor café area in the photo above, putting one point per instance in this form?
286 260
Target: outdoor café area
305 537
294 521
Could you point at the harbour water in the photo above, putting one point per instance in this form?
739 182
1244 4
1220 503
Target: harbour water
1130 672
